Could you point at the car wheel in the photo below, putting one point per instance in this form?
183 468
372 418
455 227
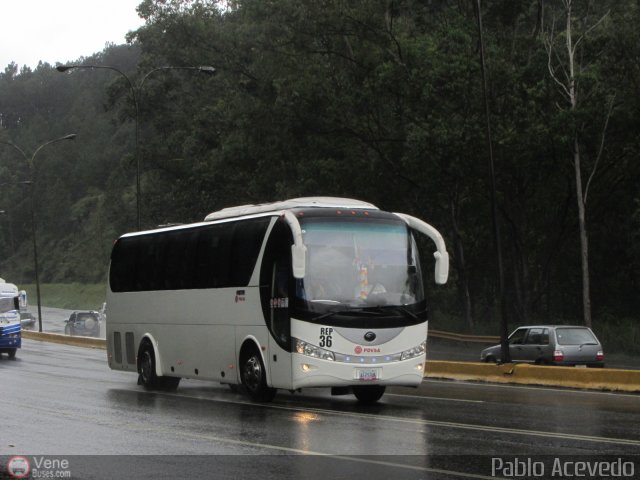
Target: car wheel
254 378
12 353
368 394
490 359
67 329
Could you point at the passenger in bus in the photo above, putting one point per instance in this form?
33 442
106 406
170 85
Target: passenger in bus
328 272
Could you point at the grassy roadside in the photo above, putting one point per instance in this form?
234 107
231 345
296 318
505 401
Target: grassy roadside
73 296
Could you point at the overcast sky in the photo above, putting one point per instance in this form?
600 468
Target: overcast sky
62 30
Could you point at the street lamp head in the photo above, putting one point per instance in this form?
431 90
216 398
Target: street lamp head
208 69
71 136
64 68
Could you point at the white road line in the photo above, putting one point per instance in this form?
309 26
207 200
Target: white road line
433 423
263 446
464 400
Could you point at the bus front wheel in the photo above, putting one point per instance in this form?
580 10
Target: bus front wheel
254 378
368 394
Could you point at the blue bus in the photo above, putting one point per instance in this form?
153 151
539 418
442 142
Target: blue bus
10 326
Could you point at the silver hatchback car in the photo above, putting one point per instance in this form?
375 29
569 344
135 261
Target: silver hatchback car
551 345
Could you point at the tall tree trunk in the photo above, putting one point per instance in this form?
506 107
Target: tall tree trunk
584 240
461 264
580 197
568 86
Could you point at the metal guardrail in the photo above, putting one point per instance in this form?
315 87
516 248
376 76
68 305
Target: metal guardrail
523 374
459 337
100 343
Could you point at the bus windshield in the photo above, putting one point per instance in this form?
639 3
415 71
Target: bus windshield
8 310
359 262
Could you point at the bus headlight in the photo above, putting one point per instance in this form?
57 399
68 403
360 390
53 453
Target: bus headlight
414 352
304 348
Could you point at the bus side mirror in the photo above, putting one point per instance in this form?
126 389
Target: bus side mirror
298 260
442 267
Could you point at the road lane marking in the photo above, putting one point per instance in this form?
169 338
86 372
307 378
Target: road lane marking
172 432
419 421
464 400
422 422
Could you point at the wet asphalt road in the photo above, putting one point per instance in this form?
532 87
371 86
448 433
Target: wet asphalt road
63 402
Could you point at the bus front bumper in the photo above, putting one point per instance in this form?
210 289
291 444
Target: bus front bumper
315 372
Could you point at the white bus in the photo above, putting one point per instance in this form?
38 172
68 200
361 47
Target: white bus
308 292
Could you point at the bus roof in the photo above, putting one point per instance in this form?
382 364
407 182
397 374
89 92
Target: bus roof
7 289
302 202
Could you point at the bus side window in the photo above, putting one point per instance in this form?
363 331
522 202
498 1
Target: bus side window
247 240
280 325
212 257
276 284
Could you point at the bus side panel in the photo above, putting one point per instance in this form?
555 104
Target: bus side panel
279 366
199 351
195 330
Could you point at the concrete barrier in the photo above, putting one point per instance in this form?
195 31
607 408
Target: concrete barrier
525 374
66 339
519 373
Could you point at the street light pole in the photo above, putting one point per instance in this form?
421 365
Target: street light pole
202 69
30 164
505 354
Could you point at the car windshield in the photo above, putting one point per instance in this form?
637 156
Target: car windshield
358 262
575 336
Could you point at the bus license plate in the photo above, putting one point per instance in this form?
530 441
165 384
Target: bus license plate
367 374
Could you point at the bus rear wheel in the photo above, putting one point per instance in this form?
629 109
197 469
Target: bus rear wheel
368 394
254 378
147 367
147 370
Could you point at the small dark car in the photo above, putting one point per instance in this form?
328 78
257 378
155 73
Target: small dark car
551 345
86 324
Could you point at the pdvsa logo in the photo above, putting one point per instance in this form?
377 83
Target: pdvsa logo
18 467
359 349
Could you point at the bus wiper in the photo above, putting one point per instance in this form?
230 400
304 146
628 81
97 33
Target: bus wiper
327 315
407 312
347 311
396 308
